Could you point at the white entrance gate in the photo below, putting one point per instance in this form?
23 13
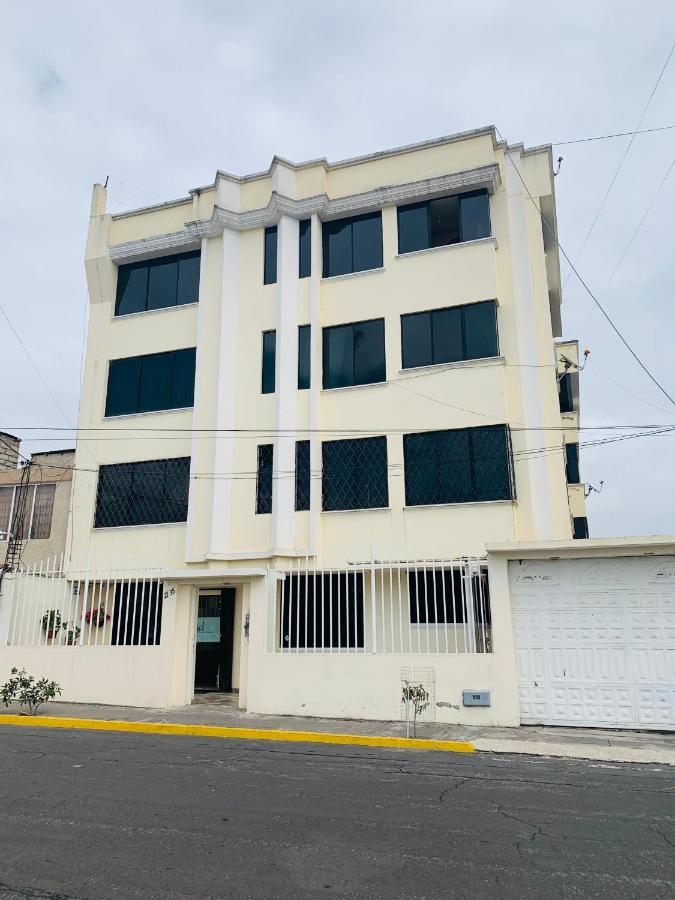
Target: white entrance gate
595 641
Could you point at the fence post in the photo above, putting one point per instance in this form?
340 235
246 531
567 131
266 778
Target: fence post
470 612
373 601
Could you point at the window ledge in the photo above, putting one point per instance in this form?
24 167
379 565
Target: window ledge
485 240
341 512
459 364
152 312
327 278
355 387
146 525
152 412
456 505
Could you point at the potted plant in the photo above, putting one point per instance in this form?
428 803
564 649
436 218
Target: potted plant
73 634
96 617
52 622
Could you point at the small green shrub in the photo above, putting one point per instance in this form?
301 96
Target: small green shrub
24 689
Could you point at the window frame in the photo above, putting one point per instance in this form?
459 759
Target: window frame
130 469
572 465
148 264
357 484
303 476
268 359
271 247
304 248
264 493
325 338
326 233
304 357
420 204
434 313
174 354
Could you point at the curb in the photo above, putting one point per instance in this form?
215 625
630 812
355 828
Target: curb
243 734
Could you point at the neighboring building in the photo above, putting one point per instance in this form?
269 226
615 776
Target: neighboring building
300 381
34 504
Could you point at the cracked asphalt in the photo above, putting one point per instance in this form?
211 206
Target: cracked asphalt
99 815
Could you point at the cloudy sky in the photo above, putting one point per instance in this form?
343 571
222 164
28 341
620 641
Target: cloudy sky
159 95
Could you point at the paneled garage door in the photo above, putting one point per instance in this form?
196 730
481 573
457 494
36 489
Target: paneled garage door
595 641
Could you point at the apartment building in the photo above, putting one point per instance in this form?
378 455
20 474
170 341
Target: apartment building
317 393
34 503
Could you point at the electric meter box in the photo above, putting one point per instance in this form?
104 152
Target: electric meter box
476 698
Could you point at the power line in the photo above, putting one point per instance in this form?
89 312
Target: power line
625 153
586 287
606 137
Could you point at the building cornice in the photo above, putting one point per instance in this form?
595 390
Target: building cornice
487 177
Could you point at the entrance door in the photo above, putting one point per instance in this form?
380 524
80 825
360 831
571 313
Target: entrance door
215 636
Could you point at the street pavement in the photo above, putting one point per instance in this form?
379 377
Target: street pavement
102 815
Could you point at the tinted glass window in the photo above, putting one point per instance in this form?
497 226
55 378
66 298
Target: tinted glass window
263 499
156 377
480 330
304 356
416 340
338 356
270 265
151 383
448 345
367 242
413 227
302 475
337 247
475 216
158 283
143 493
305 249
565 393
572 463
188 278
269 352
163 284
458 466
183 381
354 354
580 527
123 384
444 221
6 495
355 474
132 289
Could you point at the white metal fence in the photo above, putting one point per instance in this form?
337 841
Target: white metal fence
436 606
53 608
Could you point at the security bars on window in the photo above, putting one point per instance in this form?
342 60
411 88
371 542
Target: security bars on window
422 606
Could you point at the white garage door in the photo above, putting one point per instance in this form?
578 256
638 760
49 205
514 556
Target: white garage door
595 641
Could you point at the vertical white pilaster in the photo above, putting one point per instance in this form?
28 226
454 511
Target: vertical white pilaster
315 386
525 307
283 490
223 457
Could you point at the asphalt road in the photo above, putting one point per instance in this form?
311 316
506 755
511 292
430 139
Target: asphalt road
88 815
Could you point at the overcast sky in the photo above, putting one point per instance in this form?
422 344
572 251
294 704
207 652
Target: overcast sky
160 95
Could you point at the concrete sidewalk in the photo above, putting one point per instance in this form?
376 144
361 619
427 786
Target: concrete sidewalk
577 743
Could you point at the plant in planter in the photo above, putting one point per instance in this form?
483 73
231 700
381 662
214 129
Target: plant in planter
24 689
52 622
72 634
96 617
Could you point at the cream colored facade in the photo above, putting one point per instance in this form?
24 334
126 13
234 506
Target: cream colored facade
224 541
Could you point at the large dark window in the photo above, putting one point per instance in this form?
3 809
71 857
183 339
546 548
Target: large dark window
302 475
263 492
158 283
304 356
354 354
143 493
150 383
572 463
565 393
445 596
305 248
458 466
270 264
137 614
269 356
352 245
322 611
579 527
355 474
449 335
445 220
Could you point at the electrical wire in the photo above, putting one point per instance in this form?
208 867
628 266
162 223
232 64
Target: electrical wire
606 137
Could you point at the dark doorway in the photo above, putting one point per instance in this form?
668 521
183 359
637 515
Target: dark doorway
215 636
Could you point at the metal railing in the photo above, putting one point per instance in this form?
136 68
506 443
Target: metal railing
49 607
432 606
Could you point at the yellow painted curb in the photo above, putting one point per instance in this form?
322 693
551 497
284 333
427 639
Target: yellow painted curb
245 734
